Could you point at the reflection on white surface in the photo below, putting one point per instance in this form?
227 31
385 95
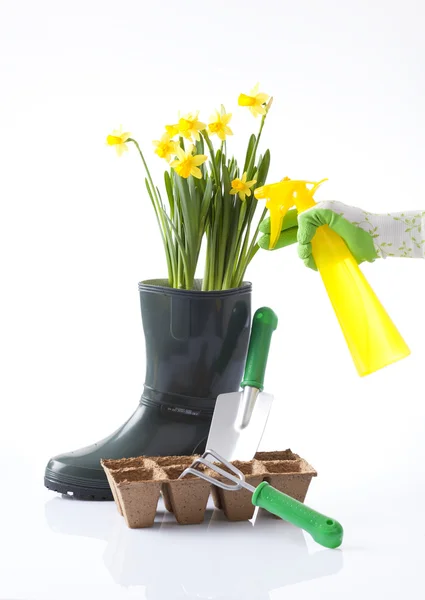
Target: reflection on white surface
217 559
55 547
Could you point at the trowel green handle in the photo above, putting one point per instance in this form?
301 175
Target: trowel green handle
263 325
324 530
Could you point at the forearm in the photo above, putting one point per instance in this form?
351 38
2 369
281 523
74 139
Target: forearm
398 234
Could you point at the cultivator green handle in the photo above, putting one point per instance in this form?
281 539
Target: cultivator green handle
263 325
324 530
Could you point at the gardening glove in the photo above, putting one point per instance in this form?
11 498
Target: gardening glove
367 235
288 234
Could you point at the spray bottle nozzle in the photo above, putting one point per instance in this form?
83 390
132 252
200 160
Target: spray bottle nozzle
281 197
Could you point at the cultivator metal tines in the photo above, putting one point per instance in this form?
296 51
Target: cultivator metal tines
238 478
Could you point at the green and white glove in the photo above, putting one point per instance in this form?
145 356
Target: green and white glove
367 235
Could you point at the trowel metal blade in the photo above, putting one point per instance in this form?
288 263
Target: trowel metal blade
231 441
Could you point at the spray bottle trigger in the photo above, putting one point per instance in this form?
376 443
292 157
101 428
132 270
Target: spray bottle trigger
277 213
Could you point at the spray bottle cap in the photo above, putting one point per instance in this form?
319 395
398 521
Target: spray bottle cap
281 197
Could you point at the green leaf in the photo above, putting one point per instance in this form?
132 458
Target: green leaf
169 190
218 156
226 180
200 147
189 224
183 254
168 246
200 183
250 150
194 199
206 200
263 169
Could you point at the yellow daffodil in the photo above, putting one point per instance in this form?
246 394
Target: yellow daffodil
254 101
189 126
187 164
241 187
165 147
218 124
172 130
118 139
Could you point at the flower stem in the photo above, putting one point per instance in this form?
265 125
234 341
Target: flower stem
146 168
158 208
249 171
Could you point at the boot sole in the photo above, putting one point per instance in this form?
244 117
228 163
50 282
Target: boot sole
79 492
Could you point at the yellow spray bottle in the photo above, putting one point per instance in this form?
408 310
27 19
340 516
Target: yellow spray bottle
371 336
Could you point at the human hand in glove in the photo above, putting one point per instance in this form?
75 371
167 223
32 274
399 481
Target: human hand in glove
367 235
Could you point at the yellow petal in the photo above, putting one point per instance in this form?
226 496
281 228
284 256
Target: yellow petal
228 131
251 183
180 152
255 89
244 178
196 172
226 118
184 172
262 98
233 191
199 159
172 130
242 196
121 148
125 136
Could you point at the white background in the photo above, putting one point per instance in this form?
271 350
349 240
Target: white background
77 234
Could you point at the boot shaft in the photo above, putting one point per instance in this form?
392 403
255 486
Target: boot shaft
196 344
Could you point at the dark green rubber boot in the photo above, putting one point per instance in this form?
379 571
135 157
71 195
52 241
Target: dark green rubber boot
196 343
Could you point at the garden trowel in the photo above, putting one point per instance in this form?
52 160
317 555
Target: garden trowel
239 418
